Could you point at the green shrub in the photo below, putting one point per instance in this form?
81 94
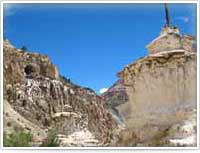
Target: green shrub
24 48
17 139
52 140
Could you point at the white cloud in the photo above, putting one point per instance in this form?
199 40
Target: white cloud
101 91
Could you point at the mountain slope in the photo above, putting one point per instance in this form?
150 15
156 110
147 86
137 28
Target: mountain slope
42 99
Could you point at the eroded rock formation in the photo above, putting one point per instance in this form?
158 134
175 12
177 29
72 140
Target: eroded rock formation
37 99
161 89
152 104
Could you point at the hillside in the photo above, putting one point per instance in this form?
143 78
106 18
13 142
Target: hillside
152 104
38 99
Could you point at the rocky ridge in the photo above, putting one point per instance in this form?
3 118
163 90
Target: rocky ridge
152 104
159 108
38 99
162 95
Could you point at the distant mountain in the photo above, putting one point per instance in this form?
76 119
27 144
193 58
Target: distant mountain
116 94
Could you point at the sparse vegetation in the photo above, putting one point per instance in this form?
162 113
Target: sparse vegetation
52 140
24 48
87 88
17 139
159 139
127 138
66 79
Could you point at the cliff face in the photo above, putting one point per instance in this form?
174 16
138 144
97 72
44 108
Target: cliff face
152 104
161 90
16 61
37 99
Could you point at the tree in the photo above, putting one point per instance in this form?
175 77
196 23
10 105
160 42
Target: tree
66 79
24 48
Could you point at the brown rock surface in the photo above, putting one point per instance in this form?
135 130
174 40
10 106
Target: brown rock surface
161 90
153 103
43 100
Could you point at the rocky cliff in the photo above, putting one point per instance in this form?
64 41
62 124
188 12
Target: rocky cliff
156 96
38 99
152 104
162 93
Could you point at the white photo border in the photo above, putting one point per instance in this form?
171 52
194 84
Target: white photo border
102 148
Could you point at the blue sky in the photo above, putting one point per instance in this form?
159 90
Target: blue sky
90 43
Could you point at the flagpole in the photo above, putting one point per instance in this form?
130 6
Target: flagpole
167 16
